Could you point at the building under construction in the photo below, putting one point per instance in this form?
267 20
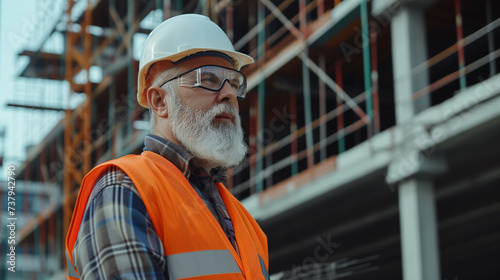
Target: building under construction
373 127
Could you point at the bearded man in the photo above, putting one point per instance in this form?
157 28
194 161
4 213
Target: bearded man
165 214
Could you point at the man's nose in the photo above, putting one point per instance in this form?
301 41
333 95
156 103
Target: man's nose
227 93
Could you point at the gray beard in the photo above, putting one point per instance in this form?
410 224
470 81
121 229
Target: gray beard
213 144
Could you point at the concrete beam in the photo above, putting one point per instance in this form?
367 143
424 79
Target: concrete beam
415 163
381 7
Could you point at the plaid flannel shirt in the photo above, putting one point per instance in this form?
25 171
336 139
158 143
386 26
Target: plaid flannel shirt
117 239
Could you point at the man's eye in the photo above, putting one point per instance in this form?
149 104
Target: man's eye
234 82
210 81
235 85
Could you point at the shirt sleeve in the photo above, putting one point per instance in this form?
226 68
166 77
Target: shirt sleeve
117 239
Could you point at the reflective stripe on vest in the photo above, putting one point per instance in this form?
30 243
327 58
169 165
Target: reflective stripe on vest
264 269
71 270
201 263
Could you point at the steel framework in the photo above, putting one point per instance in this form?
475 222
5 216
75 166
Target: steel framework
320 87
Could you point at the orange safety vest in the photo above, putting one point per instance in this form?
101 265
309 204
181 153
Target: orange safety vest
193 241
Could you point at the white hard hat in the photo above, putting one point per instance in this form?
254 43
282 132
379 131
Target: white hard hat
179 37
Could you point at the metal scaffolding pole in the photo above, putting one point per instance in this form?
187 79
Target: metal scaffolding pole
365 34
52 236
68 180
491 39
110 147
261 39
306 87
229 21
166 8
77 123
179 5
40 230
130 68
294 149
321 8
340 110
460 42
374 77
322 106
87 110
269 169
252 139
111 100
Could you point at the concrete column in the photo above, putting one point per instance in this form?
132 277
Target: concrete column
419 235
419 238
417 211
409 49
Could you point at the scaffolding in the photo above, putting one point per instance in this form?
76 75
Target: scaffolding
325 82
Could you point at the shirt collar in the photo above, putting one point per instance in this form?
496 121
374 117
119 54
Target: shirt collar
169 150
179 157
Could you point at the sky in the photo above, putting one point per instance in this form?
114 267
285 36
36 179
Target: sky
11 14
20 25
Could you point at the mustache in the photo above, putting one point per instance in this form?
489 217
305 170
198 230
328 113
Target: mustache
222 109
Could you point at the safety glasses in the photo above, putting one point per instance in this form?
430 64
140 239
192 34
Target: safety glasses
213 78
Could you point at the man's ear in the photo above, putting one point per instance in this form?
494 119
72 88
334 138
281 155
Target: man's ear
157 101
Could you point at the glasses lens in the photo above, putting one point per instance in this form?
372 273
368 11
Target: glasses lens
210 79
214 77
189 79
